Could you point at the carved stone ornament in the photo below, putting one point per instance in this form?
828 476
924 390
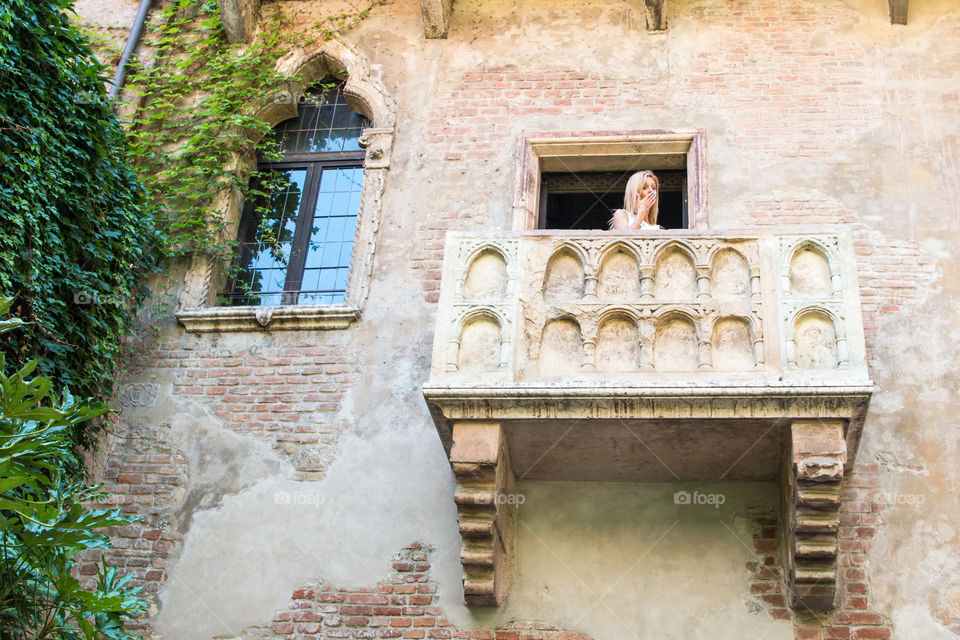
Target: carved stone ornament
378 143
139 394
263 315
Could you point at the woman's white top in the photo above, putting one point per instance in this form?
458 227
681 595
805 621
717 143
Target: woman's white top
632 218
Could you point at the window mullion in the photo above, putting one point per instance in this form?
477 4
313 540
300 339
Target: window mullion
301 236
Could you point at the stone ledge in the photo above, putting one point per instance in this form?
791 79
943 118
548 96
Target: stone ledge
681 402
316 317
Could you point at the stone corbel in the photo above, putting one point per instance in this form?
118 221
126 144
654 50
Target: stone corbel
657 15
378 143
816 455
436 17
898 11
239 18
486 510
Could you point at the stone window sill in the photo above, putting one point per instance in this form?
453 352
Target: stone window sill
293 317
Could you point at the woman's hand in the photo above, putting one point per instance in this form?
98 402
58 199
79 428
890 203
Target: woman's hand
644 205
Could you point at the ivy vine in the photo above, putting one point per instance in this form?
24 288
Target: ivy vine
76 239
194 122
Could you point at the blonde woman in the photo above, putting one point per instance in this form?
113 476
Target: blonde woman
641 201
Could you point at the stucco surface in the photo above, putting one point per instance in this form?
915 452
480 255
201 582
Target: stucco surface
866 133
626 561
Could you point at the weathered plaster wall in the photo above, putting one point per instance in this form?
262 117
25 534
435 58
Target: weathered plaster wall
814 111
108 24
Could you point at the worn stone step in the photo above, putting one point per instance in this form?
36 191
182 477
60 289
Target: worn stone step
479 498
473 528
825 574
476 558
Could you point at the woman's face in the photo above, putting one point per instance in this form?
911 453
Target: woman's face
648 186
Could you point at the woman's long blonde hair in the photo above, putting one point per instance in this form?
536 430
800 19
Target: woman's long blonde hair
633 188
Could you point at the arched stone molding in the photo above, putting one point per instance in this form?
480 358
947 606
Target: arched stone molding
363 89
574 249
831 317
472 262
619 245
828 251
367 95
604 349
673 349
561 353
487 313
576 284
678 246
613 281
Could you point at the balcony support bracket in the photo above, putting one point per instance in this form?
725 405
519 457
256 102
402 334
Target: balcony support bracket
436 17
486 510
898 11
813 471
656 11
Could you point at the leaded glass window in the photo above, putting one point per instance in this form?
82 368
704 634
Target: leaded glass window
296 242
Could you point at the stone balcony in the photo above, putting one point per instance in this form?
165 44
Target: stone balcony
656 356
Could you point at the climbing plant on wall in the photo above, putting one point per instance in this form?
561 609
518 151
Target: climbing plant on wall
196 127
80 234
195 120
75 237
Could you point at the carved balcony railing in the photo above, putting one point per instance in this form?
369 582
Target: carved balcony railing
727 355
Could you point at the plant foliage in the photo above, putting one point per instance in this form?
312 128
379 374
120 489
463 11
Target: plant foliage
43 522
75 237
196 120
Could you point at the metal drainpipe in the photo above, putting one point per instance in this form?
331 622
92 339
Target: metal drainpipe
132 41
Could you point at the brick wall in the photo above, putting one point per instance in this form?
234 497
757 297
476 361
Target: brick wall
405 606
143 485
853 619
286 396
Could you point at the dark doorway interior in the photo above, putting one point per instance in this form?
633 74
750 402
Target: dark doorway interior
588 200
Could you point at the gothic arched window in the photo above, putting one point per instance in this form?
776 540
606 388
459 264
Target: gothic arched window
297 239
